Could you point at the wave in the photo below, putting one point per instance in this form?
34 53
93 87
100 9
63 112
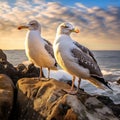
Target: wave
105 72
111 74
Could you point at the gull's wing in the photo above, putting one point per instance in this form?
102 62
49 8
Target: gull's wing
84 60
85 50
47 42
49 48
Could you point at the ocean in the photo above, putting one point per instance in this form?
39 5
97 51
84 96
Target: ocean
109 62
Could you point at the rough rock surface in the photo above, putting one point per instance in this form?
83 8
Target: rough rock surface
118 81
46 100
6 96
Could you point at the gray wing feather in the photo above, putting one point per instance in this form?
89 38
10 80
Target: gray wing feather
47 42
85 50
49 48
85 61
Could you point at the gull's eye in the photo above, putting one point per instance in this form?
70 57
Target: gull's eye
31 23
66 26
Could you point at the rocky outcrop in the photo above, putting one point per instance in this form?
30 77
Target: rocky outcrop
46 100
18 72
6 96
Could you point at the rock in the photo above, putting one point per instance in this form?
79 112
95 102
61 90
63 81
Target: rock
108 102
46 100
10 70
118 81
18 72
22 68
21 71
6 67
2 69
33 71
3 57
6 96
30 71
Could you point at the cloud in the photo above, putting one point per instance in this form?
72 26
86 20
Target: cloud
95 23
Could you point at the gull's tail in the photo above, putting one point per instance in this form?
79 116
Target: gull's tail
103 81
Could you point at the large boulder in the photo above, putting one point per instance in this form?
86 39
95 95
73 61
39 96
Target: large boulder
46 100
6 96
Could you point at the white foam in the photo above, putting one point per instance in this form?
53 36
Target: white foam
104 72
111 72
89 88
58 74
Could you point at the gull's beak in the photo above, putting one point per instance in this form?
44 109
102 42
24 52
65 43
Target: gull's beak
76 30
23 27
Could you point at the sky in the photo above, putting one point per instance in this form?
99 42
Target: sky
98 21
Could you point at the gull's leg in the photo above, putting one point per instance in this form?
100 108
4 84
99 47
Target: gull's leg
48 73
40 73
73 80
40 76
71 91
79 81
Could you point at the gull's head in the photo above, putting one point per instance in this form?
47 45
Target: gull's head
67 28
32 25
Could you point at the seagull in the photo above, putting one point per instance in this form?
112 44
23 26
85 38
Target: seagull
76 59
38 50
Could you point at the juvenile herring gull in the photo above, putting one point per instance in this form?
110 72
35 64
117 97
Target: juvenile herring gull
76 59
38 50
